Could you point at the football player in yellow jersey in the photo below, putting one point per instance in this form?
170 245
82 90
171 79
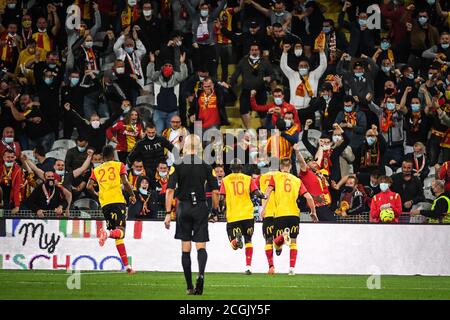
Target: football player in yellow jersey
287 188
110 176
263 182
237 189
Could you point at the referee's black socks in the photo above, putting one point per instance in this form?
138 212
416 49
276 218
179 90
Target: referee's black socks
202 257
186 262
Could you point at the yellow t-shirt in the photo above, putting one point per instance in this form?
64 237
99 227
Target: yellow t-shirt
287 189
264 181
237 188
107 175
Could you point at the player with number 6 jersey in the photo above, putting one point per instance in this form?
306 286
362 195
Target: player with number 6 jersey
110 176
287 188
237 189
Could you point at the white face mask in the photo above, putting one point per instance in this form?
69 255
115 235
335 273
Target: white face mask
298 52
9 139
120 70
42 30
162 174
137 172
326 147
303 71
143 191
132 3
95 124
147 13
336 139
384 186
254 58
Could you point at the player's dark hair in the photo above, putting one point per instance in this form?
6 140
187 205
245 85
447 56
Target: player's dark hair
108 152
236 166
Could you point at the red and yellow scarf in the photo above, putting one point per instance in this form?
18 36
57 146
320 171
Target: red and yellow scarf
304 87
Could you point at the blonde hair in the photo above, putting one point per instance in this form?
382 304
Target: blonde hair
420 145
192 145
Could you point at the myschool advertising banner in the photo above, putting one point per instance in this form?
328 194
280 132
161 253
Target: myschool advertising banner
323 248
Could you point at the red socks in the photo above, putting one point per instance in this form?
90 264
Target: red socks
293 255
248 253
269 254
116 234
122 251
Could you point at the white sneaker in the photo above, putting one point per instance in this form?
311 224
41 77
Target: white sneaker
291 272
287 236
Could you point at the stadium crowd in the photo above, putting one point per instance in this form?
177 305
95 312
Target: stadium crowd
363 110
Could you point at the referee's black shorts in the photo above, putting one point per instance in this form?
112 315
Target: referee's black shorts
192 222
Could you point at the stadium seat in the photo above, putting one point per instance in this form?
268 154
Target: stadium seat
63 144
59 154
30 155
86 205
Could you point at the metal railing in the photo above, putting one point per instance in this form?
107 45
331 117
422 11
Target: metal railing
405 218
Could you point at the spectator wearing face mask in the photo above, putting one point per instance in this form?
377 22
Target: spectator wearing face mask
417 124
166 91
11 182
277 14
371 153
303 83
385 76
77 155
47 31
329 102
204 39
159 183
153 31
386 199
440 52
390 116
351 200
7 142
398 14
275 110
362 39
151 149
130 50
71 93
129 14
119 86
175 134
144 207
48 197
94 129
334 42
26 59
354 123
137 170
408 186
423 36
10 46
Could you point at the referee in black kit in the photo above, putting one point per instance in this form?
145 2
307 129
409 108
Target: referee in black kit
190 178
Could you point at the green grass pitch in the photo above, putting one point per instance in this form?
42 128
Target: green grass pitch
224 286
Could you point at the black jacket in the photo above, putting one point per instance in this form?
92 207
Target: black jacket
151 152
38 201
408 190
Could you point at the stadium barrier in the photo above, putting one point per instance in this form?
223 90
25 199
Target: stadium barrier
72 244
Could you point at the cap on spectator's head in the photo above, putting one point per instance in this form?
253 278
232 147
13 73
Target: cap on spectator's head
253 24
327 86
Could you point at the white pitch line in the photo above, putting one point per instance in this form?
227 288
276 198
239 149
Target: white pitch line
141 284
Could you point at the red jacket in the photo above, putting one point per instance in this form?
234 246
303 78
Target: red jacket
15 180
444 174
13 146
383 198
126 135
285 107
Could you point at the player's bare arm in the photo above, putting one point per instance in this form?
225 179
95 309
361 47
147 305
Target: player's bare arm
312 206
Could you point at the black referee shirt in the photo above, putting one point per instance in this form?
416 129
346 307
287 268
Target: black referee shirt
192 175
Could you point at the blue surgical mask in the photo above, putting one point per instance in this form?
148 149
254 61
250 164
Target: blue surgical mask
81 149
431 2
9 140
48 81
359 74
362 22
88 44
278 101
129 50
371 140
143 191
326 29
126 110
261 164
415 107
288 123
336 139
74 81
60 172
162 174
423 20
348 108
385 69
410 76
303 71
52 65
390 106
326 97
384 186
445 45
96 164
385 45
9 164
204 13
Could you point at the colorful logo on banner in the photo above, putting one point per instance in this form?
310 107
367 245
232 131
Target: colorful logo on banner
46 239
